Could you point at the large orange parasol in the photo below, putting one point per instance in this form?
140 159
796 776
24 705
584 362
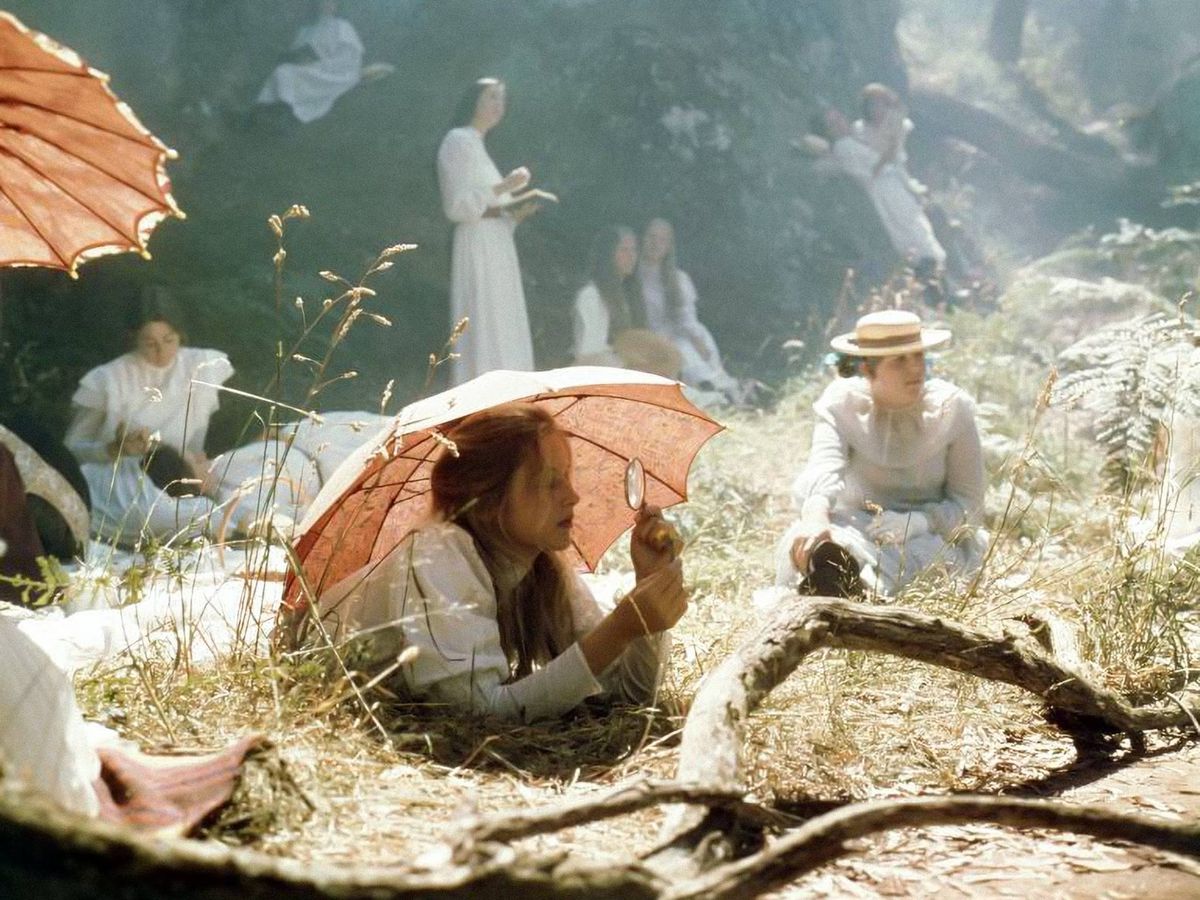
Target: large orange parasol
379 494
79 175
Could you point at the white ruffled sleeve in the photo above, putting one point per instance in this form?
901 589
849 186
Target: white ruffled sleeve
464 199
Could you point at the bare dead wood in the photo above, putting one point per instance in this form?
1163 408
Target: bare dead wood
631 797
51 855
1031 157
823 839
714 733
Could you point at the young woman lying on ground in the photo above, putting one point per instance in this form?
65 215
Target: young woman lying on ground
500 623
894 482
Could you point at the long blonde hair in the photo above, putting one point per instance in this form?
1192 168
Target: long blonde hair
668 270
469 488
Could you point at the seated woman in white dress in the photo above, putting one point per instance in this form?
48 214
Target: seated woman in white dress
500 623
158 392
670 302
894 482
324 62
610 319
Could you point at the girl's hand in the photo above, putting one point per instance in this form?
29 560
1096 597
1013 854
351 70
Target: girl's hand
659 600
129 442
647 547
810 537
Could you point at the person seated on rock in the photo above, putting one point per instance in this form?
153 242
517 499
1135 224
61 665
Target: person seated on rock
610 317
325 61
887 184
894 481
498 621
669 297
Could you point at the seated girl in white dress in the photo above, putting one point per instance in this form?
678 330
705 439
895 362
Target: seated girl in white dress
894 482
499 622
670 303
158 392
610 318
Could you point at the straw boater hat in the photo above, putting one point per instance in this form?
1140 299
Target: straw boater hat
890 332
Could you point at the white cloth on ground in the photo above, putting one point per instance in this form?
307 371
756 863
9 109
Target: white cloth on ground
434 593
128 507
311 88
926 458
485 274
43 741
338 434
701 361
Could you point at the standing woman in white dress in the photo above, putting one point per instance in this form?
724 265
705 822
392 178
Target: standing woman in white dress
485 276
158 392
670 301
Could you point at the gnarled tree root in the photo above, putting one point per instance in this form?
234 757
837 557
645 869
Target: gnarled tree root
714 734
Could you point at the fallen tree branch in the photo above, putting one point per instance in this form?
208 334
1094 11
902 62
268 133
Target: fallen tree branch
823 839
714 733
628 798
45 852
1059 167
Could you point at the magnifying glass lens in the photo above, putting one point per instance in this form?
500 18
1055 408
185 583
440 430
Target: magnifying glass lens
635 484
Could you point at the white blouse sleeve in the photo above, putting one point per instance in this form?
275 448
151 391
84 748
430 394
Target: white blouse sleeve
84 436
965 485
464 200
822 479
690 322
591 329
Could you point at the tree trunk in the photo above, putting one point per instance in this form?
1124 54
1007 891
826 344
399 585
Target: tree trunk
1004 33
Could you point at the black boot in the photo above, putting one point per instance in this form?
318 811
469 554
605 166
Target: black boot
832 572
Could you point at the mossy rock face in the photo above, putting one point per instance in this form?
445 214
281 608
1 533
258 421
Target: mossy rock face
1051 312
625 109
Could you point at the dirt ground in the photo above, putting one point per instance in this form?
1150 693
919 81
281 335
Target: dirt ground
990 862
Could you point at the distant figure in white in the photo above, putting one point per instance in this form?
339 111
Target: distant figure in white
485 276
670 300
324 62
871 151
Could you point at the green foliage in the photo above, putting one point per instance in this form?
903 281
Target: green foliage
1130 376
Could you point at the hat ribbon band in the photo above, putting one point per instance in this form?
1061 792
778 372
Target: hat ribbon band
893 341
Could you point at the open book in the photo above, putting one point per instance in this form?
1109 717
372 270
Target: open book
529 196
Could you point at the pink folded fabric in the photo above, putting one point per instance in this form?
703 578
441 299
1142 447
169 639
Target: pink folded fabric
176 793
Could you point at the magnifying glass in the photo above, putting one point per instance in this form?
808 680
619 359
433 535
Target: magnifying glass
664 536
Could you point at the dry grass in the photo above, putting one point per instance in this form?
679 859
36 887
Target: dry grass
846 725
